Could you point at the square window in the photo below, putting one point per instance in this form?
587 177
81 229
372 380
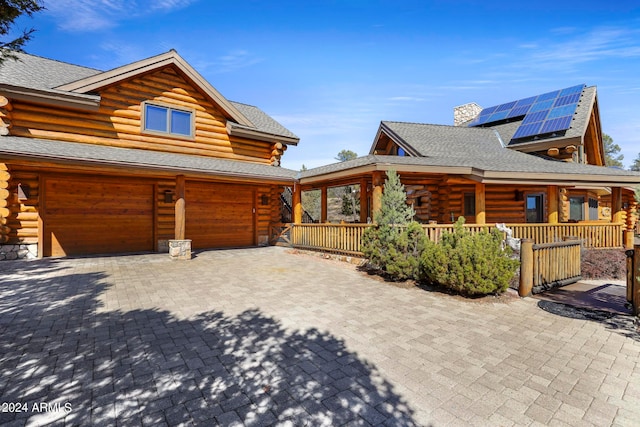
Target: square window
167 120
155 118
180 122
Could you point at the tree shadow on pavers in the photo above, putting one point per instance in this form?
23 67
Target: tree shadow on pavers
91 367
624 325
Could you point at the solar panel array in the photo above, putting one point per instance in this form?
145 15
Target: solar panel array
546 113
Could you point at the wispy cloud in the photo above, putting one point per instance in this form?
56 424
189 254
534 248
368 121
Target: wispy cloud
600 44
235 60
94 15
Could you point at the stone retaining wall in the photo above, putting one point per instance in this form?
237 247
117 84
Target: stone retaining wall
12 252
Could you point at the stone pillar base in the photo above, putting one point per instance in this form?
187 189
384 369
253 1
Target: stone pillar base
180 249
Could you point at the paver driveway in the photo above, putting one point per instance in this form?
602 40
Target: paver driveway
265 336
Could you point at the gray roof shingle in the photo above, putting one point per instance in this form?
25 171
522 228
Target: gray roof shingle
262 121
456 146
59 151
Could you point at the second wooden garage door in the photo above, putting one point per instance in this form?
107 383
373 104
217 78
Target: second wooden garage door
219 215
97 215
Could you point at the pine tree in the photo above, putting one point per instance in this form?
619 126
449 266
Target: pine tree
11 10
394 209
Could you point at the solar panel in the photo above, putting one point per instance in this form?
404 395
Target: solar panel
546 113
528 130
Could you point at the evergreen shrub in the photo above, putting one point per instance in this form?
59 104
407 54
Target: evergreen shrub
468 264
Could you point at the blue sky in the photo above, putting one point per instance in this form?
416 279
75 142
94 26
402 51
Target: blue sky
330 71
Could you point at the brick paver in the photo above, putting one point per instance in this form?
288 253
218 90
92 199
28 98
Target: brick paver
261 337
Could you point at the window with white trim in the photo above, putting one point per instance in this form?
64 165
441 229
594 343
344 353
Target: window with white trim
167 120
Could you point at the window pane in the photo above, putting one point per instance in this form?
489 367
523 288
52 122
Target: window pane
534 208
593 209
180 122
469 204
401 151
576 210
155 118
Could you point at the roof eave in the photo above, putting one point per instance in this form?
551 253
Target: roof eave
133 167
236 130
386 166
561 179
56 98
533 146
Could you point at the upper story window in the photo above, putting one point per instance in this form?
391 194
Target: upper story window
167 120
401 152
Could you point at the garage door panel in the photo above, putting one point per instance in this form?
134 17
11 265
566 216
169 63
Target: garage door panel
219 215
93 215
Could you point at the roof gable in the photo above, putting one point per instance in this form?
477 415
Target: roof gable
96 81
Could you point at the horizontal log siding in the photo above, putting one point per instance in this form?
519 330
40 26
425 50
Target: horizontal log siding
165 211
118 121
501 205
5 202
19 218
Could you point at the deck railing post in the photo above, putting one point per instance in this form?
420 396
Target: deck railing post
630 274
526 268
635 301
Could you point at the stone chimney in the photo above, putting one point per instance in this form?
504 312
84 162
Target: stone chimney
464 113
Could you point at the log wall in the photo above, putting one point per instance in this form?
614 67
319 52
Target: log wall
18 217
118 121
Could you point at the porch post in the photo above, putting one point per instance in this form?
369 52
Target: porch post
616 204
480 204
179 247
296 202
629 229
364 208
376 199
323 204
552 195
180 208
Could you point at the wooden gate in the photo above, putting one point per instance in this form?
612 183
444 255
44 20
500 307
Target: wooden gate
633 278
548 265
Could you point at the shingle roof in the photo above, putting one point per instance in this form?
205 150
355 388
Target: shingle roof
35 72
262 121
474 148
481 148
59 151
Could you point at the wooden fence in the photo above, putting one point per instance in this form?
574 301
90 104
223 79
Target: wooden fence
547 265
338 238
345 238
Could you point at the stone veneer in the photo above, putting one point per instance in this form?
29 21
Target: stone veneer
466 112
20 251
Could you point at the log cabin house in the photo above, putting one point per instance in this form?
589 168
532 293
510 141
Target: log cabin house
127 159
537 160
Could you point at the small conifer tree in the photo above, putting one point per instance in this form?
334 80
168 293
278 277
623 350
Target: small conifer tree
394 245
394 209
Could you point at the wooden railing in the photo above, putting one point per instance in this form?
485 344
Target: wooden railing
339 238
548 265
595 235
345 238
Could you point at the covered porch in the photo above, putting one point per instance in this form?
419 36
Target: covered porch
547 207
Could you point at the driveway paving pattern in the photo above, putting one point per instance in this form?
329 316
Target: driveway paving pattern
265 336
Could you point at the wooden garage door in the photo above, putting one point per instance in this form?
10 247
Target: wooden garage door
219 215
97 215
